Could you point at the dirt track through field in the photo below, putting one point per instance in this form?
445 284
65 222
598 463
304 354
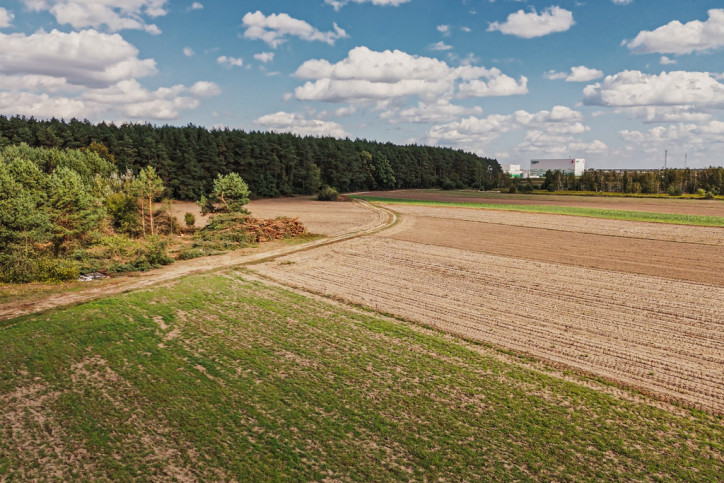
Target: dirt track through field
355 218
664 336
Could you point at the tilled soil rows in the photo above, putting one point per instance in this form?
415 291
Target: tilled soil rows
681 261
703 235
661 336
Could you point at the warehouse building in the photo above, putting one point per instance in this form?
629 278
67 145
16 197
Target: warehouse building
538 167
513 170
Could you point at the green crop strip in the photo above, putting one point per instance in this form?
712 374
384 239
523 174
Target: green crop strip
221 378
670 218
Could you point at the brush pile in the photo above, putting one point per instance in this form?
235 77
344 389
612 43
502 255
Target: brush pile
262 230
235 230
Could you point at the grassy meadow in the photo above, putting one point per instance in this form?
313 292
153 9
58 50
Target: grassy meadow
219 377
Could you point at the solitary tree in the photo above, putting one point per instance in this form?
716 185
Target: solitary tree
229 195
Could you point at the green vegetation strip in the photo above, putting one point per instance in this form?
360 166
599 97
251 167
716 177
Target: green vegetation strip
670 218
219 378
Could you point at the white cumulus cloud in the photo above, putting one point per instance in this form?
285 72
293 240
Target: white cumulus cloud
579 73
230 61
275 29
678 88
264 57
678 38
86 74
297 124
114 14
474 132
87 58
6 18
366 75
188 52
533 24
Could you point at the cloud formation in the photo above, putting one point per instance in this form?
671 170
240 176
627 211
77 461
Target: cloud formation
87 58
678 38
532 24
475 133
230 61
6 18
264 57
579 73
366 76
275 29
86 74
632 88
337 4
297 124
115 15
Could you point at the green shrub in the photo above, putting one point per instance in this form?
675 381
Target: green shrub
674 191
447 184
190 254
190 220
22 267
328 193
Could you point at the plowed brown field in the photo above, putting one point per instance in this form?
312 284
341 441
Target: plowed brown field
684 261
645 313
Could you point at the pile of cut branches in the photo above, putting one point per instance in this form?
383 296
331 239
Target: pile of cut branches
234 230
261 230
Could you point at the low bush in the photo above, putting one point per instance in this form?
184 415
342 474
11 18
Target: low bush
328 193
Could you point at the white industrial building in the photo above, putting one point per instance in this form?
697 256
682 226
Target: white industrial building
512 169
538 167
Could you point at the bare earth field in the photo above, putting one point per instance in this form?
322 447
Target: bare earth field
677 260
645 313
320 217
651 205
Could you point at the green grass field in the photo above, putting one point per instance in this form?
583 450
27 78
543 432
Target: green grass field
670 218
220 378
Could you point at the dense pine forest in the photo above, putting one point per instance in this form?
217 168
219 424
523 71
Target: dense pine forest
189 158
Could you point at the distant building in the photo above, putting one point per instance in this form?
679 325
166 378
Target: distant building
538 167
512 169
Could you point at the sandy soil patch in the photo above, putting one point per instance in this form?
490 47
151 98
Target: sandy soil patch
651 205
661 336
320 217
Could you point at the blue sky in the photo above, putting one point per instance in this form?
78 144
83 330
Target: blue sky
614 81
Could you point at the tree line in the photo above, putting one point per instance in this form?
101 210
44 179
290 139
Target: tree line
188 159
661 181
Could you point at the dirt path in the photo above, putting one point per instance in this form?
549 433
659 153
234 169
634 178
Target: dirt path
376 218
